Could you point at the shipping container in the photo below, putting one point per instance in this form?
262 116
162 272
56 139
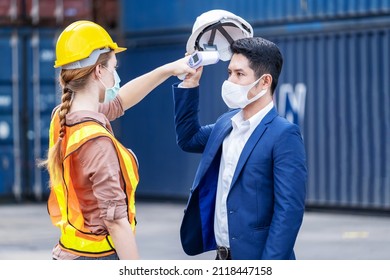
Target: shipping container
11 12
164 16
106 13
10 112
51 12
42 95
58 12
27 98
334 84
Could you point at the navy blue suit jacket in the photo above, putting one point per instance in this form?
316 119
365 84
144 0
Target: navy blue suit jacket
266 201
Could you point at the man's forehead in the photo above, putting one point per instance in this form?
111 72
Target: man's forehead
239 62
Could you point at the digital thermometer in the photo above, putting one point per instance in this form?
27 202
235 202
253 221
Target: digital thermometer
201 58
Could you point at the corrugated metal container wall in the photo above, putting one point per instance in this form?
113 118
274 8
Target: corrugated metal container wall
10 111
162 16
27 97
42 97
334 84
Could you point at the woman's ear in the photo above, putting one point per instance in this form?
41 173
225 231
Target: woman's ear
98 71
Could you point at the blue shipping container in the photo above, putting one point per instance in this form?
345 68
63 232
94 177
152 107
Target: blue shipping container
334 84
27 97
10 112
161 17
336 87
42 96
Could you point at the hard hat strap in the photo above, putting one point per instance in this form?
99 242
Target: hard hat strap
212 37
214 27
224 33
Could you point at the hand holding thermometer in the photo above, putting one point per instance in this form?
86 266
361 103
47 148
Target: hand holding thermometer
201 58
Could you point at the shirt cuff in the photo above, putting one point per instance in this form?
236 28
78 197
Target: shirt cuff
110 215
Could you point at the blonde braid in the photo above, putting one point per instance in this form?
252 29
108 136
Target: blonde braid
55 156
64 108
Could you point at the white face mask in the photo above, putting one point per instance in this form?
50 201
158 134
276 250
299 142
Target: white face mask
112 92
236 96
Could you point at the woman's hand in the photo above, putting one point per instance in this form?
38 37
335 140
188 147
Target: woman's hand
135 90
180 67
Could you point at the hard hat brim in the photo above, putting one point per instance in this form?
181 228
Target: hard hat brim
119 49
91 59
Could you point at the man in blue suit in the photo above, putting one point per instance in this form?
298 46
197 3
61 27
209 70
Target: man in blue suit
248 197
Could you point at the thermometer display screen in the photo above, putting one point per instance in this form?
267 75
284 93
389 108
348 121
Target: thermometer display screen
195 58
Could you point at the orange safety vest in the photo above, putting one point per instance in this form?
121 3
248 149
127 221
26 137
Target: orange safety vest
63 205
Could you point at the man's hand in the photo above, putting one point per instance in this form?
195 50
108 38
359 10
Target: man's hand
192 80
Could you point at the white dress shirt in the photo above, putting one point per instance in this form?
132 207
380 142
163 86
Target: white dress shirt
231 150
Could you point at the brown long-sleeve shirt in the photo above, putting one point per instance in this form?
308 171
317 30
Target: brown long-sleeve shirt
96 171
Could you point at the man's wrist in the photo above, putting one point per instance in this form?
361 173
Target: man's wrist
187 84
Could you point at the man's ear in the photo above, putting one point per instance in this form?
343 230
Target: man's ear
266 81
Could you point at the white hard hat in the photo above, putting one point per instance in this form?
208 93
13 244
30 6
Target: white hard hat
216 30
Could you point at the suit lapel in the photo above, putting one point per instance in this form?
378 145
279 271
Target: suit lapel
252 141
214 143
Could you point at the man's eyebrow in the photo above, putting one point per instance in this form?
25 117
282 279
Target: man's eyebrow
235 69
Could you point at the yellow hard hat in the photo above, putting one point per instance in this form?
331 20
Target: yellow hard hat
81 43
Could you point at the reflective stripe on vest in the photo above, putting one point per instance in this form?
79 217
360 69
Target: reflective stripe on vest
63 205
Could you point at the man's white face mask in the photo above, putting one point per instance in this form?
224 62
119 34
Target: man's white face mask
236 96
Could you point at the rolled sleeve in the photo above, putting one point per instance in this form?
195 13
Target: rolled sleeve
112 110
113 212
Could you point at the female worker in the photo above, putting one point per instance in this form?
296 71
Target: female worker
93 177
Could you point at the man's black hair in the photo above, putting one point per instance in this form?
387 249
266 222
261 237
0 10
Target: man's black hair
263 55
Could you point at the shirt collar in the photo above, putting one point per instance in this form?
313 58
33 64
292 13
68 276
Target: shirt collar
84 115
238 119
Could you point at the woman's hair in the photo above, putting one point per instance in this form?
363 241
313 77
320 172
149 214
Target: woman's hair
71 81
